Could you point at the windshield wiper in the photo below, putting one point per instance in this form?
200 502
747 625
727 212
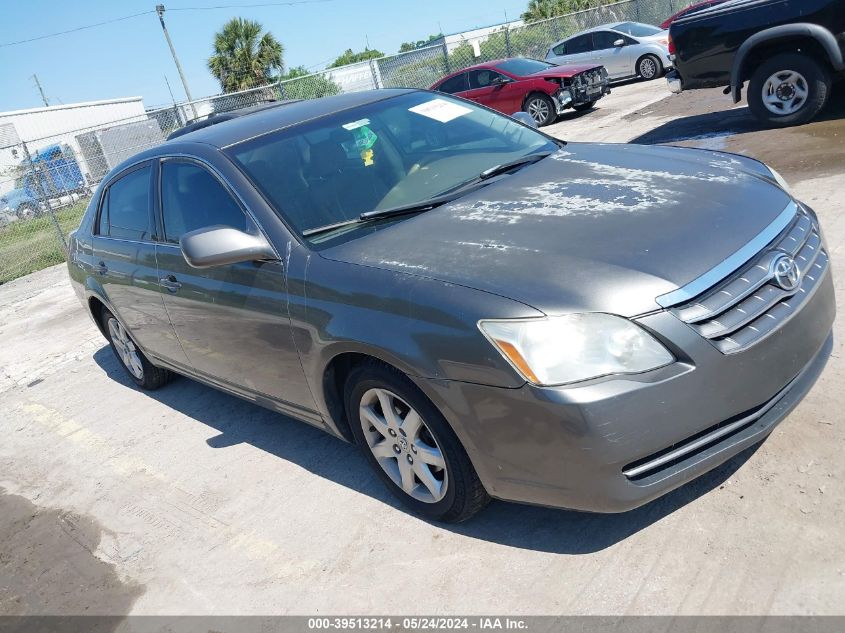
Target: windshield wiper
379 214
431 203
519 162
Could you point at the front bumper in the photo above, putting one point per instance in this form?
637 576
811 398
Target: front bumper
571 446
588 87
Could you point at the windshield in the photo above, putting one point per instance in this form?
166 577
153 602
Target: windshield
400 151
635 29
521 66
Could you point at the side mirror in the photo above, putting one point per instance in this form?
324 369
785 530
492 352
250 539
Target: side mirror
219 246
525 118
500 81
619 42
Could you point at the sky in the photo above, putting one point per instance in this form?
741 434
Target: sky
130 57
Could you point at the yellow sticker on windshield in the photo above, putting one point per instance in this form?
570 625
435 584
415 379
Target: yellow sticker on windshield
367 157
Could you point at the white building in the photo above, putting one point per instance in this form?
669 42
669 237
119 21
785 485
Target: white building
478 35
42 127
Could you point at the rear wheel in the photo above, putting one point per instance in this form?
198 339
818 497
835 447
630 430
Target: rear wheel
410 445
541 108
649 67
142 372
788 89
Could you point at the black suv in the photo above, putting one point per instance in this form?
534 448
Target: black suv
788 51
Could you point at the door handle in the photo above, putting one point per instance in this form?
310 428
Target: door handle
101 268
170 283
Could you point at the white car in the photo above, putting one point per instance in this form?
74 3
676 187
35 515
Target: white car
625 49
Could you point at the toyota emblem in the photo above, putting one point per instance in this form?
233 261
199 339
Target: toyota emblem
786 273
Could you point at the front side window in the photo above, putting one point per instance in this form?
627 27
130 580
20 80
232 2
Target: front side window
125 210
483 78
403 150
605 39
192 198
458 83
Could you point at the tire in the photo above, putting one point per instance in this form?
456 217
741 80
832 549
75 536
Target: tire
649 67
583 107
142 372
541 108
370 385
796 73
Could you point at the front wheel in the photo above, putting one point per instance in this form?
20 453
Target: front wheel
142 372
583 107
410 445
541 108
649 67
788 89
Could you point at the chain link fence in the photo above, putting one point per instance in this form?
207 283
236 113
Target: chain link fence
47 176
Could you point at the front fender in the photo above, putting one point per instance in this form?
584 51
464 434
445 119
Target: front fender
801 29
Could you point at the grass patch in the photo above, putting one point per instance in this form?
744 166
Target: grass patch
30 245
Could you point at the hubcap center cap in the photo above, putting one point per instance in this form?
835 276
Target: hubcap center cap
785 91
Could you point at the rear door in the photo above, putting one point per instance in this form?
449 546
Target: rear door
231 320
575 50
124 263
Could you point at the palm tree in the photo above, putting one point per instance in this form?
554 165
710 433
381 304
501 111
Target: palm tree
244 58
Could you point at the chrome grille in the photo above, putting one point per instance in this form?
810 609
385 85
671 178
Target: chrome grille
746 307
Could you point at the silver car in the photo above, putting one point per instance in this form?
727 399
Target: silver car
625 49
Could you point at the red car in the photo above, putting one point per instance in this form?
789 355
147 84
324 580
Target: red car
541 89
693 7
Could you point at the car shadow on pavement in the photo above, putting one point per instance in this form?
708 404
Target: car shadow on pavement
713 126
526 527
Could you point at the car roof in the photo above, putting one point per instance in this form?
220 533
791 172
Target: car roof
285 114
610 26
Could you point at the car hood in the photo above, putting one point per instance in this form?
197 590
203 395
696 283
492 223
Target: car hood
604 228
566 71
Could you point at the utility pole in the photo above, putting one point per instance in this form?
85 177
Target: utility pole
41 90
160 11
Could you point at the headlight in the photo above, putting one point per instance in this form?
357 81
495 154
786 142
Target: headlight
780 180
561 350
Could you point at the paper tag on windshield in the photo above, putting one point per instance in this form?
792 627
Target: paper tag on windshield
356 124
440 110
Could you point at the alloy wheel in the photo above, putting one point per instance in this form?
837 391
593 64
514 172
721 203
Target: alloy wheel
648 68
403 445
539 110
126 349
785 92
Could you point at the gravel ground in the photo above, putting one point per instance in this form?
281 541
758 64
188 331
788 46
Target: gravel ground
187 500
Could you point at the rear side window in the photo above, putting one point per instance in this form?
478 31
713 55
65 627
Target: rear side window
560 49
580 44
458 83
125 212
191 198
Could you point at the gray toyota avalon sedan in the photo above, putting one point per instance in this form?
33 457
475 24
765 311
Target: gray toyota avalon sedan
486 311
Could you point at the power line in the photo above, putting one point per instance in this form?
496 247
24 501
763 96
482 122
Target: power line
250 6
79 28
135 15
